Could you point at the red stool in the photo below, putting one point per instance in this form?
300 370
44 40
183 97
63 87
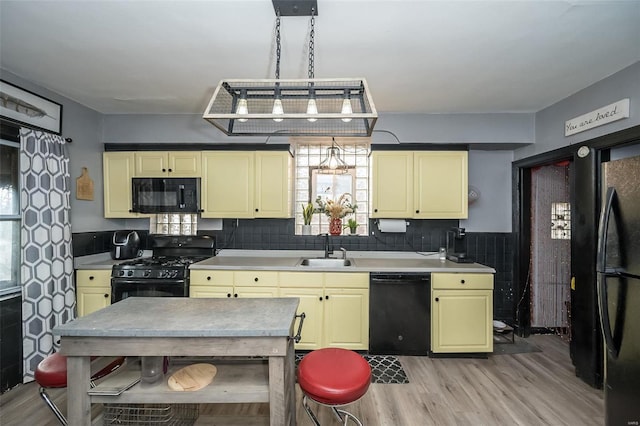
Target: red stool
333 377
52 373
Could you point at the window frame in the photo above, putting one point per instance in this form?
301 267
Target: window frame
9 288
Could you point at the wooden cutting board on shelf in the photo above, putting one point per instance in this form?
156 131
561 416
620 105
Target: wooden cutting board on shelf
192 377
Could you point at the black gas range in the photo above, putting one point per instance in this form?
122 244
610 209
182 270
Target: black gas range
166 273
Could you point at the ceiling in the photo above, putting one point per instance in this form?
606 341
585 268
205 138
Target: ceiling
421 56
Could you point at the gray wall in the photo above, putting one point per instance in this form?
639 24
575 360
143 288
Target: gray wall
550 121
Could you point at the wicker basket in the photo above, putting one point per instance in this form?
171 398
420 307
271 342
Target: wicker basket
150 414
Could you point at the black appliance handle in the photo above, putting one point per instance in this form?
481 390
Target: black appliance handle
601 265
605 215
182 203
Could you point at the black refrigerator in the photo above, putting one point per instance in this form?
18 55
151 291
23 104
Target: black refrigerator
618 288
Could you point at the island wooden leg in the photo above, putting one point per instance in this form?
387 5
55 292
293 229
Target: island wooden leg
282 407
78 379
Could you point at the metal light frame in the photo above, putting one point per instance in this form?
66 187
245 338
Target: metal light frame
244 107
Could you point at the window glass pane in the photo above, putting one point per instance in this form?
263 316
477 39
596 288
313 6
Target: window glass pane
9 173
9 254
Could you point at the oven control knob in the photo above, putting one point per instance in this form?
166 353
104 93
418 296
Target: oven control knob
147 273
129 273
121 273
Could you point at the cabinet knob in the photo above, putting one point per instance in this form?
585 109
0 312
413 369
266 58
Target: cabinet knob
437 299
106 296
164 170
256 210
256 279
208 278
461 281
375 210
417 211
321 298
170 170
91 277
235 295
326 297
228 294
130 210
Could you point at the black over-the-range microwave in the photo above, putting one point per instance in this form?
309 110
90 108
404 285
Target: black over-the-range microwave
166 195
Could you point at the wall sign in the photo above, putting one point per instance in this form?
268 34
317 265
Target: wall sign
615 111
27 108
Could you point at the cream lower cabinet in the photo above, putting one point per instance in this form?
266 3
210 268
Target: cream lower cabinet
93 290
229 284
336 306
461 313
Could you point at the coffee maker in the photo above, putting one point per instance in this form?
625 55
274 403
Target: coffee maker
457 246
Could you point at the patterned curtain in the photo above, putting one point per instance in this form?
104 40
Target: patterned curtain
48 294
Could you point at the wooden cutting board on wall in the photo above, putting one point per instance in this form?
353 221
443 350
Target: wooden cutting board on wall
84 186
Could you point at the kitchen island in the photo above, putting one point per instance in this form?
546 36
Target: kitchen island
178 327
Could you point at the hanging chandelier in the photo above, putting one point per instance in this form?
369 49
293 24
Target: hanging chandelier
333 162
293 107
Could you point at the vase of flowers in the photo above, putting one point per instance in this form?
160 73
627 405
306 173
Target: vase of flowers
307 216
336 210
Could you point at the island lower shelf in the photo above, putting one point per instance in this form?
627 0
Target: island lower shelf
236 381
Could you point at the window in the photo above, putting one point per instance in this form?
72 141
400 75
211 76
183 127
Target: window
311 182
9 217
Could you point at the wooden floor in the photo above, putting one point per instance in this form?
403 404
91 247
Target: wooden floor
538 388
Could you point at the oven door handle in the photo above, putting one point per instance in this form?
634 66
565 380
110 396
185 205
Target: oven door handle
153 281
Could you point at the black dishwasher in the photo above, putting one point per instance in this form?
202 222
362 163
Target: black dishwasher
399 313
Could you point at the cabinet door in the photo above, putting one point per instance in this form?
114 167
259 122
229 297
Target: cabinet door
392 184
151 164
185 164
311 303
346 318
91 299
210 291
440 185
118 169
461 321
228 184
273 184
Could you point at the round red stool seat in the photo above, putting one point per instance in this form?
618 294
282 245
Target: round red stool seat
334 376
52 371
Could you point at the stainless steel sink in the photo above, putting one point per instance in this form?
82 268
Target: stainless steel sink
323 262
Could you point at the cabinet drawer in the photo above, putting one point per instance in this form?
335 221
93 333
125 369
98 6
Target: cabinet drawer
301 279
462 281
346 279
256 278
212 277
94 278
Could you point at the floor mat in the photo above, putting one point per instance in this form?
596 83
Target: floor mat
385 369
520 346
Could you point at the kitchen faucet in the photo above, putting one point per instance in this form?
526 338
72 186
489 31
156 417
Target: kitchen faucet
327 249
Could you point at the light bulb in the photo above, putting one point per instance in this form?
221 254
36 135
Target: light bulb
242 109
312 108
277 109
346 109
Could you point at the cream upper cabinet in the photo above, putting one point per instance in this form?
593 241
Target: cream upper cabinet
461 313
246 184
419 184
273 190
118 169
440 184
168 164
392 184
228 184
93 290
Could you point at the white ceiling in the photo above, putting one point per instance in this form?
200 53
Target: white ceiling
421 56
